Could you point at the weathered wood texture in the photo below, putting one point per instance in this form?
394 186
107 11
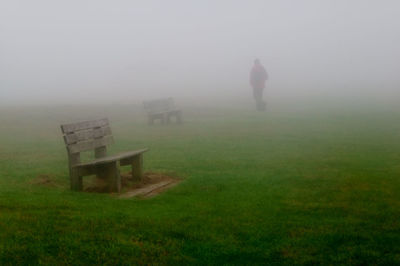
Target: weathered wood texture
149 190
73 127
90 144
110 172
87 134
162 109
137 167
116 157
96 135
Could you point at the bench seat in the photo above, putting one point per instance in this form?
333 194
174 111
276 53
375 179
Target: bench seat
166 112
112 158
162 109
95 135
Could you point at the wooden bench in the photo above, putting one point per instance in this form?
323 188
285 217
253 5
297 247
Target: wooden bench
96 135
162 109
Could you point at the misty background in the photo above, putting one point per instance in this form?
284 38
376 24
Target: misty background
98 51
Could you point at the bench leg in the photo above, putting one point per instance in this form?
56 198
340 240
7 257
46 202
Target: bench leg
76 180
163 119
179 117
110 172
137 168
150 120
168 118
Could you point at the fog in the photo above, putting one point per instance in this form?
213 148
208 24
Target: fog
98 51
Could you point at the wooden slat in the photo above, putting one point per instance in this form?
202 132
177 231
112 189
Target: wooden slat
112 158
100 152
90 144
87 135
147 190
159 105
167 112
68 128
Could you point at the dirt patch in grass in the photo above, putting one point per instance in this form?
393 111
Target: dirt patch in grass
151 185
96 185
44 180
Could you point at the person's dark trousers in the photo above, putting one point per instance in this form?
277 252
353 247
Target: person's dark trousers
257 94
261 105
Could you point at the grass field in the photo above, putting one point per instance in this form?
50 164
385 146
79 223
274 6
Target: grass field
270 188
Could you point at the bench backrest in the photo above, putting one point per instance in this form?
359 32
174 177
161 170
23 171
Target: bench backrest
159 105
85 136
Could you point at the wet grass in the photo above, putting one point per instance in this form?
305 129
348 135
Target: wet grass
276 188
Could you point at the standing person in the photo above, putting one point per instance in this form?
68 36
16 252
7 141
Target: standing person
258 77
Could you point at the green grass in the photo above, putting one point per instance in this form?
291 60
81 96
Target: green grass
271 188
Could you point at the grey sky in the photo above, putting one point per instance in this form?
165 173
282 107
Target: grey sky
100 51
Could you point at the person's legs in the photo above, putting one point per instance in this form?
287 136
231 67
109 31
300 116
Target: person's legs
261 106
257 94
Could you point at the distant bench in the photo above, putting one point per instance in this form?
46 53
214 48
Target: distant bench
162 109
96 135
